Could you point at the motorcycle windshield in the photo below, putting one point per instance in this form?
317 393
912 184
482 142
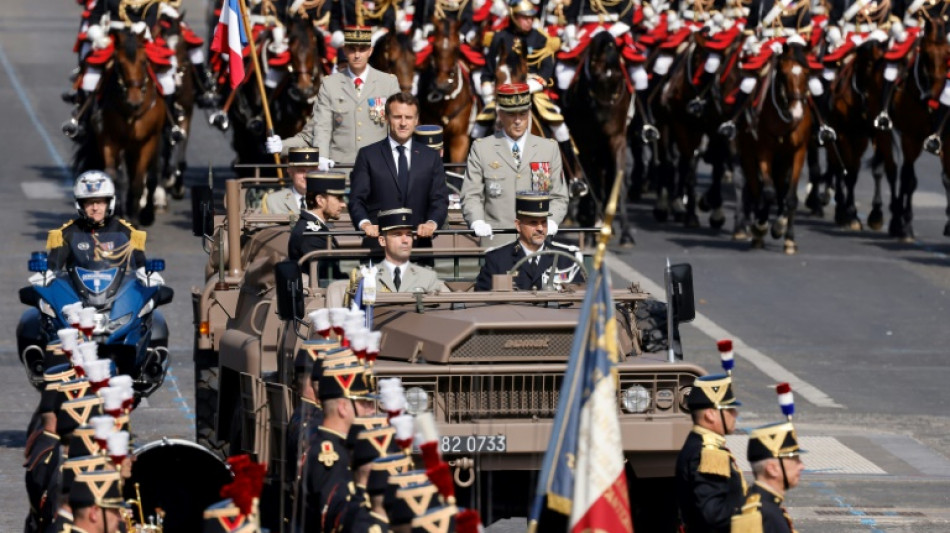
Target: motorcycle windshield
97 281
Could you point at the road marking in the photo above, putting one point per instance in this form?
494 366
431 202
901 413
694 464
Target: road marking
43 190
826 455
764 363
21 94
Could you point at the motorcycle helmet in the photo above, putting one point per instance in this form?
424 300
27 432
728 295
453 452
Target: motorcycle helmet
94 184
522 7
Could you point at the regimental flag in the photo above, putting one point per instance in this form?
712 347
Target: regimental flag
583 476
230 37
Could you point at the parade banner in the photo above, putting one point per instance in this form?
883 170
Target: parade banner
230 37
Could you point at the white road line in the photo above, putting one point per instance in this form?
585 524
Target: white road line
764 363
43 190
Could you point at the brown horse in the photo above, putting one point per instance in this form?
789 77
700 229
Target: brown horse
774 147
857 100
127 129
912 119
445 91
597 115
393 54
292 100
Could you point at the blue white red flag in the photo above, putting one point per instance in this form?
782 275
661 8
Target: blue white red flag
582 475
230 37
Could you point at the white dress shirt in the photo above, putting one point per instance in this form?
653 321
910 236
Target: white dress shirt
395 153
391 267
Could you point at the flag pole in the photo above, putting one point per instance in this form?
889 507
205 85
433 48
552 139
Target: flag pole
260 80
607 228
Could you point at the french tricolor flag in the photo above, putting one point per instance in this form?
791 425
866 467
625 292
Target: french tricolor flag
230 37
786 400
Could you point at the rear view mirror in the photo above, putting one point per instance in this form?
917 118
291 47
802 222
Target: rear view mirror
202 210
681 292
289 288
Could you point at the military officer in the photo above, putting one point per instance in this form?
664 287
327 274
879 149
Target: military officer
396 273
300 161
709 486
531 223
41 464
511 160
349 112
96 501
324 200
344 396
774 455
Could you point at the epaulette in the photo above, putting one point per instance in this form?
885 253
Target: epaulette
713 459
749 519
569 247
137 238
550 48
54 239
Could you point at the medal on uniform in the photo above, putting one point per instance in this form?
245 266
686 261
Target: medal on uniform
313 226
328 455
377 109
495 189
494 165
540 176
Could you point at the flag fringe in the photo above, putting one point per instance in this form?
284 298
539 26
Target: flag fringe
559 503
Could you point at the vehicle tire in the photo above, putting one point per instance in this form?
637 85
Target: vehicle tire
206 402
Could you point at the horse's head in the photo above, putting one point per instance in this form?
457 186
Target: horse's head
791 81
307 49
131 68
444 60
604 69
934 51
393 54
512 66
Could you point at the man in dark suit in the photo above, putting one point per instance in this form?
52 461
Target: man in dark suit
324 201
531 222
398 172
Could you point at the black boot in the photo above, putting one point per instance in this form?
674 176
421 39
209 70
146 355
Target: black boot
728 128
207 97
698 104
883 121
822 106
934 143
176 115
648 133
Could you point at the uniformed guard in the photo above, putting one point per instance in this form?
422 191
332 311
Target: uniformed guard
531 223
774 455
344 395
709 486
350 109
511 161
324 199
96 502
300 161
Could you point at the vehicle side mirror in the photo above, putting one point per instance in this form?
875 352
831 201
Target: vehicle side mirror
289 288
29 296
164 295
681 292
202 210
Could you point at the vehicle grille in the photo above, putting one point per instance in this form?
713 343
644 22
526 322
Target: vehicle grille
515 345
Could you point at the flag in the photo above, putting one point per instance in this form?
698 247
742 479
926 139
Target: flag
582 476
230 37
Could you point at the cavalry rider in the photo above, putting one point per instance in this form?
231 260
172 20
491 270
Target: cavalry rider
520 37
96 236
850 24
380 15
427 12
772 25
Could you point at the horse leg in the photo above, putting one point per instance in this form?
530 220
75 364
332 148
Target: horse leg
815 178
876 216
618 144
110 159
665 175
900 223
791 199
687 189
765 198
712 198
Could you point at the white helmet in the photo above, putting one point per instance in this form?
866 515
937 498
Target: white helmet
94 184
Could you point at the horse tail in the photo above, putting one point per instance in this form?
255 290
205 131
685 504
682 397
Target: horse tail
88 155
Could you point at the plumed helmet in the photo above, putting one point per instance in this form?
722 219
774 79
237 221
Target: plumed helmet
94 184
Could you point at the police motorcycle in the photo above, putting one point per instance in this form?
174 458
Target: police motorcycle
111 305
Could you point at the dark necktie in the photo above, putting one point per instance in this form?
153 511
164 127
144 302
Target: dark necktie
403 172
303 204
397 279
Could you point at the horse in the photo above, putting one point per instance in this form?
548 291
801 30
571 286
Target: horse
301 75
174 160
857 101
445 86
393 53
912 119
775 145
598 117
127 128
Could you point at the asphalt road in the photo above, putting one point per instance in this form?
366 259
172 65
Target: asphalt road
855 320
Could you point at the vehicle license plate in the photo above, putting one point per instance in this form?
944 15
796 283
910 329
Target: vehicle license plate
474 443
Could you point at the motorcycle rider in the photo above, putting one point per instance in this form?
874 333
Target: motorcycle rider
96 236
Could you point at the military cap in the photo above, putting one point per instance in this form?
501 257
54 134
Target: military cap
406 502
522 7
358 35
226 517
371 444
75 466
429 135
83 442
712 391
57 373
532 204
331 358
390 465
772 442
436 520
304 156
344 382
394 219
326 183
75 413
98 487
513 97
311 351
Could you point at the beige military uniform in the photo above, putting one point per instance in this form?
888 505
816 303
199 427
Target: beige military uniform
344 119
282 202
492 179
414 277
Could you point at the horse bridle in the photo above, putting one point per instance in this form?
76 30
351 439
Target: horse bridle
618 92
436 94
792 98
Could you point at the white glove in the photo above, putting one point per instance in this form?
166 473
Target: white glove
833 36
42 279
482 228
470 36
570 33
488 92
776 47
499 8
403 25
98 37
325 164
618 29
534 85
337 39
273 144
149 280
552 227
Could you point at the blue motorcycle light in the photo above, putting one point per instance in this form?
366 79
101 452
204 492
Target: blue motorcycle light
39 255
39 265
155 265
